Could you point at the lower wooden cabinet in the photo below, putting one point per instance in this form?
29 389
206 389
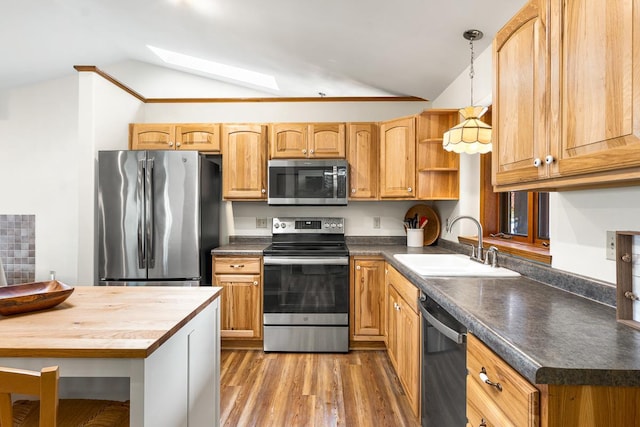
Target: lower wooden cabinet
404 334
510 401
367 299
241 300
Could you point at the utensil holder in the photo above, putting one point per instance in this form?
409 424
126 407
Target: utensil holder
415 237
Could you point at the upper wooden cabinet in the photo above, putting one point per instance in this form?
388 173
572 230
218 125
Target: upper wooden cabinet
307 140
161 136
567 95
363 156
398 158
244 164
438 169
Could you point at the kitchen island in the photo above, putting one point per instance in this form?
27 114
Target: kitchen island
163 341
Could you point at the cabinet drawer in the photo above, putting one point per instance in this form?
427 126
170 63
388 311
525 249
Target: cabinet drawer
517 401
405 289
236 265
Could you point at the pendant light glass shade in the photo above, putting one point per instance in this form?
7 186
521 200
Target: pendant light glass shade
471 136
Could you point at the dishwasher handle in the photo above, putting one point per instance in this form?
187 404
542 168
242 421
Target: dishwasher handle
455 336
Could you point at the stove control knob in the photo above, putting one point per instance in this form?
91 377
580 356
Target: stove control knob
326 225
284 225
339 225
276 225
333 225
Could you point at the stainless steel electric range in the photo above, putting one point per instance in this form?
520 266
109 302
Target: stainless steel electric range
306 286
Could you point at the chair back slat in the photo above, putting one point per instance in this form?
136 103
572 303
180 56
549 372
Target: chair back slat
43 384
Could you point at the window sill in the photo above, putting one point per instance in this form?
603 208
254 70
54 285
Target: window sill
523 250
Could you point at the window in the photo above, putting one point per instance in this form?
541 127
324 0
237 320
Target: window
524 216
515 222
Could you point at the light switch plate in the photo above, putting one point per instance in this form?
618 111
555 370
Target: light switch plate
611 245
376 222
261 222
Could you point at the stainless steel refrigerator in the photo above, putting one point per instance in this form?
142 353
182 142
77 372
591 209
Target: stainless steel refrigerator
158 216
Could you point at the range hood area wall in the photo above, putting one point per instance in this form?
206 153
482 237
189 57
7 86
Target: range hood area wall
240 217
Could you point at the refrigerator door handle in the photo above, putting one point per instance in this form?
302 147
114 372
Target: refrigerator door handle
151 250
140 206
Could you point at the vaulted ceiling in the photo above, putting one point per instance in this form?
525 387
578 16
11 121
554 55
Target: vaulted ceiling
337 47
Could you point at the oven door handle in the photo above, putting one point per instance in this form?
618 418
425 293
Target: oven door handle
275 260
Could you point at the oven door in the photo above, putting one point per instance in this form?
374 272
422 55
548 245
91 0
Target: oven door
306 290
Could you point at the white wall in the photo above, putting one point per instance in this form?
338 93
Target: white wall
39 169
458 95
264 112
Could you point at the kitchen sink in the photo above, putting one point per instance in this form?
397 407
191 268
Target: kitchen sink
451 265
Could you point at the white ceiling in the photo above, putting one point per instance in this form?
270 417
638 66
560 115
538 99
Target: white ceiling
339 47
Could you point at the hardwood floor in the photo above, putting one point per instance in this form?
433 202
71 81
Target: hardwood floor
311 389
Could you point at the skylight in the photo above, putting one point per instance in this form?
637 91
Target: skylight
216 69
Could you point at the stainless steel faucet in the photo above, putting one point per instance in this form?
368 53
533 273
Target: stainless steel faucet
479 253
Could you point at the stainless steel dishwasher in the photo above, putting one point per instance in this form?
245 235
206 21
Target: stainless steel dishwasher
444 367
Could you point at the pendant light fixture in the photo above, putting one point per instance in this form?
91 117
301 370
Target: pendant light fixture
472 135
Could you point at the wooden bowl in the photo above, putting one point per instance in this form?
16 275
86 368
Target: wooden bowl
27 297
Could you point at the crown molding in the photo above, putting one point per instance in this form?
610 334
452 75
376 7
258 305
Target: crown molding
111 79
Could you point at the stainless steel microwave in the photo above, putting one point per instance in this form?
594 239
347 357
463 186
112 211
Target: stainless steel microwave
308 182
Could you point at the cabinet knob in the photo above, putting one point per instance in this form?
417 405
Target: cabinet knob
178 144
409 189
264 191
237 265
357 267
396 306
170 144
537 162
483 423
255 283
304 151
310 151
549 159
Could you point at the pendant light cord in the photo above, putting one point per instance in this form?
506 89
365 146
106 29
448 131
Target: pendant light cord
471 71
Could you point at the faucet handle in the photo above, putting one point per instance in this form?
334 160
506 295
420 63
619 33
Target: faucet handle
493 251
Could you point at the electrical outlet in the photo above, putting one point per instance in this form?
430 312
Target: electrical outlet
611 245
261 222
376 222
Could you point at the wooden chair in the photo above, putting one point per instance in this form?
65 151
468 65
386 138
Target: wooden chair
48 411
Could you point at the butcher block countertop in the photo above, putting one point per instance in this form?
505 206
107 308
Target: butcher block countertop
104 322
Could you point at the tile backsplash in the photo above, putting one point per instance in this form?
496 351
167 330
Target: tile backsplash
18 247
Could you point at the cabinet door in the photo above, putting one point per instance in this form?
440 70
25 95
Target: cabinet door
244 165
151 136
596 51
362 154
288 140
241 305
368 295
520 97
200 137
398 159
393 326
408 325
327 140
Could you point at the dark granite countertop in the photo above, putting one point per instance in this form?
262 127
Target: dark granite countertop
549 335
